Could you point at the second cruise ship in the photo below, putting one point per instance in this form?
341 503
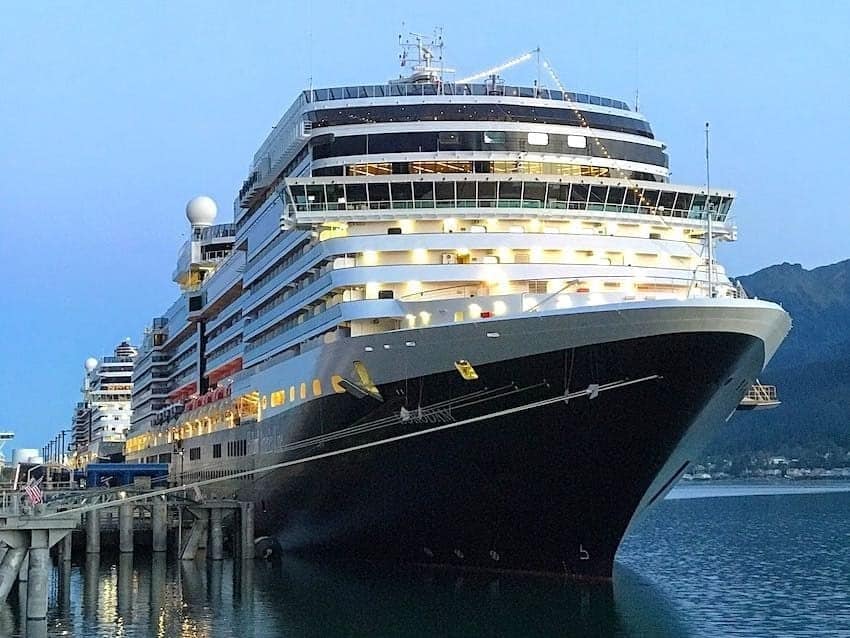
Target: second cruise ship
460 322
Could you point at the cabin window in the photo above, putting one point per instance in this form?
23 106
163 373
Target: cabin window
537 286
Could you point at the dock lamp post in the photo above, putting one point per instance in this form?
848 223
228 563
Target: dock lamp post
64 449
60 452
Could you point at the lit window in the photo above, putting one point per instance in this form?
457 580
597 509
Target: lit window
538 139
576 141
537 286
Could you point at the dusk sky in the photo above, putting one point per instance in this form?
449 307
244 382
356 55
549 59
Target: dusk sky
114 114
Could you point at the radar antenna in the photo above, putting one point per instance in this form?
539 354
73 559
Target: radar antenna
425 54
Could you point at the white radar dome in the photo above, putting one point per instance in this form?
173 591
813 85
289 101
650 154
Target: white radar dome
91 364
201 211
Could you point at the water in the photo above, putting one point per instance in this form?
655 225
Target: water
763 561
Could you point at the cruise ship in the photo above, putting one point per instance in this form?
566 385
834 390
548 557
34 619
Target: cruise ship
102 416
457 322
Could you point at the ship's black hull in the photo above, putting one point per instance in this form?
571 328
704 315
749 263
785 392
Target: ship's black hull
549 489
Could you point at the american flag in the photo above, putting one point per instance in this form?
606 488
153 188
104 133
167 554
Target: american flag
33 491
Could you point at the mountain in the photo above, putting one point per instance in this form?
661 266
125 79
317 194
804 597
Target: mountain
811 369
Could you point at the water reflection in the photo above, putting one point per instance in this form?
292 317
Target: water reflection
368 600
642 607
151 595
719 567
7 619
64 585
125 589
158 581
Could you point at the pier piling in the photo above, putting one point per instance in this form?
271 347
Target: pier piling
90 589
10 567
93 532
23 574
159 524
39 575
66 547
125 527
192 543
245 544
216 534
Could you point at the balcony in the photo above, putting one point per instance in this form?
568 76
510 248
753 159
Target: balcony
290 304
255 351
228 355
225 336
226 277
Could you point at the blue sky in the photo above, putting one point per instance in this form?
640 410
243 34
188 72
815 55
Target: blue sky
114 114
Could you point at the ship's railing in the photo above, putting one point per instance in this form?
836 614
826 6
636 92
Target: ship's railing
290 334
225 335
494 203
452 191
117 359
223 354
219 231
215 255
305 291
762 393
402 89
456 299
497 203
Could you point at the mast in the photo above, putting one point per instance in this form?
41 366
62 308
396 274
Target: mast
709 237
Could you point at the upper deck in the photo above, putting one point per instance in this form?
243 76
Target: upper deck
416 89
400 102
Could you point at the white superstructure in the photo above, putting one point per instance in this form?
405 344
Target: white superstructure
410 205
460 322
102 417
